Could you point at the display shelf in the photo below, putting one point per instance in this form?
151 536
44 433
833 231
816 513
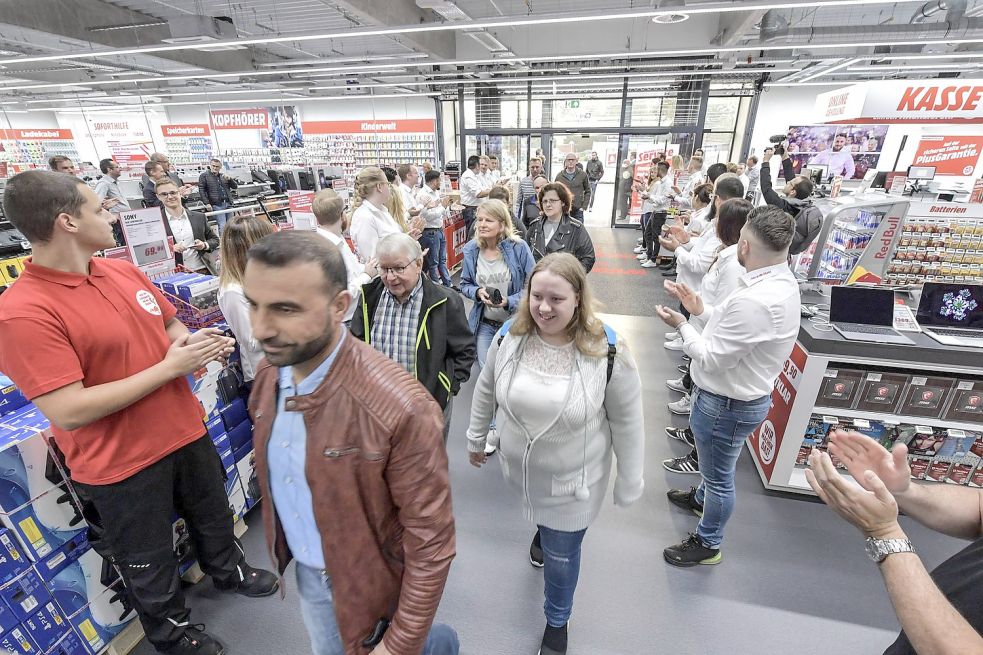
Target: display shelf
195 149
896 418
939 243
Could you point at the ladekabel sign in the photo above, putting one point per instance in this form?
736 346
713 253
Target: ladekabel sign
240 119
902 101
42 134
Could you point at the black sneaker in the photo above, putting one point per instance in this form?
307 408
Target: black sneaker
683 434
255 583
683 368
685 500
536 552
554 641
194 641
692 552
685 464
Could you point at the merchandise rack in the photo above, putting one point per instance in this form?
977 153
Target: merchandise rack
192 317
939 242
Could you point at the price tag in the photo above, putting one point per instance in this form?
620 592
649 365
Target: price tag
832 420
964 385
874 377
919 381
831 373
861 423
923 429
958 434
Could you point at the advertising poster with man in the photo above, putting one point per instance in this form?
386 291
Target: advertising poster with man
847 150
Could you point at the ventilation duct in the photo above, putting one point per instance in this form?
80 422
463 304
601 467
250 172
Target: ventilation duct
200 29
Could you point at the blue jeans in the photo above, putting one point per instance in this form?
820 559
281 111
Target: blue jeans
317 608
435 263
221 219
720 426
561 570
483 339
577 213
593 194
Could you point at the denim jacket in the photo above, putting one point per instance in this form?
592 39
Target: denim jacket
518 258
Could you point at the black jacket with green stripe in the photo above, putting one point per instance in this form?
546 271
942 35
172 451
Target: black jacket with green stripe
445 346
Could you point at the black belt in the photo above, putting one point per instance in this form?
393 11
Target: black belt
433 229
494 324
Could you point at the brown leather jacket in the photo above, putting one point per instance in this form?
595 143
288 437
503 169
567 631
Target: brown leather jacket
377 470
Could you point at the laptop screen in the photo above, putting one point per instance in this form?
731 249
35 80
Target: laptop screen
863 305
951 305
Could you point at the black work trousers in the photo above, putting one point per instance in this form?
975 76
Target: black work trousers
653 230
130 524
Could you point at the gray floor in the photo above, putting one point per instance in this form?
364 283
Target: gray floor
794 577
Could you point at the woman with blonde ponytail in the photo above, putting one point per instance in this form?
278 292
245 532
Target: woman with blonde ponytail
370 219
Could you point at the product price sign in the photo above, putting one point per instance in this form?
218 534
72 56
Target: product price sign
301 211
146 237
950 155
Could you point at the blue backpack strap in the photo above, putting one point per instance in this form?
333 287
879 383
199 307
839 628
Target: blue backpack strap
612 348
502 331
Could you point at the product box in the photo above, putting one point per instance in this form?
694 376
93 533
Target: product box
76 575
234 414
926 396
976 478
881 392
26 469
103 618
241 435
46 626
200 292
204 385
46 522
10 396
840 388
167 284
17 641
24 594
228 460
246 465
967 402
216 428
7 619
815 436
70 644
27 416
12 559
923 446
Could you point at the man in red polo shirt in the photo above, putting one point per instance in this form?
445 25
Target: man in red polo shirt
98 349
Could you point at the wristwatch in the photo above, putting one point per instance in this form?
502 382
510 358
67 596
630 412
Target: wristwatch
879 549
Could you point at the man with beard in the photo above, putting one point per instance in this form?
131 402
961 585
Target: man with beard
839 160
734 365
349 448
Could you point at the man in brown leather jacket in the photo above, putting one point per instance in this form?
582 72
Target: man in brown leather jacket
349 450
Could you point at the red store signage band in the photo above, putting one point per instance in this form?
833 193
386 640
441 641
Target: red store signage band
191 129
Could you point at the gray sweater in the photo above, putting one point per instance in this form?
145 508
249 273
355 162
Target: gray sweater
596 421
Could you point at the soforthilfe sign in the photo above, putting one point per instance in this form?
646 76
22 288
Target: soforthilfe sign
922 101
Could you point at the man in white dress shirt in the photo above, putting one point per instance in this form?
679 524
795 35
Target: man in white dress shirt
735 363
473 191
409 180
328 208
434 211
839 160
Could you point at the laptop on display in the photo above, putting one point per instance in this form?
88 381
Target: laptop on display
864 314
952 313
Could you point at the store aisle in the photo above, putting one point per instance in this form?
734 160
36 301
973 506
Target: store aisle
794 578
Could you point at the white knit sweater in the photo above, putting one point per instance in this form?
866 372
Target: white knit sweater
575 449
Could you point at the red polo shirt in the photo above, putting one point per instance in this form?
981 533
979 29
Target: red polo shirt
57 328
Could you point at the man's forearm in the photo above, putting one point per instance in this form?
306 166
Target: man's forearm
932 624
950 509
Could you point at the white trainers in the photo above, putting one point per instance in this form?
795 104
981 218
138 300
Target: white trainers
648 263
642 256
676 344
677 385
639 250
681 406
671 335
640 240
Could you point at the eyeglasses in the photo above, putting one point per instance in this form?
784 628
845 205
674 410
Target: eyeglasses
168 194
550 201
394 270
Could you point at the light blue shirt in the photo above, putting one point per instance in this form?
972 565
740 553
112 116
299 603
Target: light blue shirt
287 455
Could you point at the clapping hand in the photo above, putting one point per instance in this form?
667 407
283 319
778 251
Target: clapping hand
669 242
689 298
860 453
679 233
670 317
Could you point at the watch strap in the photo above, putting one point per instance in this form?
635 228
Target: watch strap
885 547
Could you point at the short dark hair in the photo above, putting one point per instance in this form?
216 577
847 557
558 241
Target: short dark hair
473 161
104 164
151 165
566 198
662 165
390 173
430 176
57 159
704 192
500 193
753 159
773 227
403 171
282 249
32 200
728 188
730 219
803 187
715 171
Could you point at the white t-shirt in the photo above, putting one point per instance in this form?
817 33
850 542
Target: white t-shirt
470 185
235 309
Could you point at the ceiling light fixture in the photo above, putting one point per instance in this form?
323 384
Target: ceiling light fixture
827 71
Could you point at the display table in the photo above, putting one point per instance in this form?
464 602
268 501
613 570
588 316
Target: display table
927 394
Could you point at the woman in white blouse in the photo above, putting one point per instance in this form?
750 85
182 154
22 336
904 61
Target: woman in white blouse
370 220
239 235
560 419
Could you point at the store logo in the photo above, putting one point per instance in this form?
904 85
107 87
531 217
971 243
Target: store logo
146 300
766 442
934 98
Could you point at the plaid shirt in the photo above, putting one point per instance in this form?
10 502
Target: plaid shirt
395 325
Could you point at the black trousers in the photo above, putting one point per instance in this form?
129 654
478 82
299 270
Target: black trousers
470 214
653 229
130 524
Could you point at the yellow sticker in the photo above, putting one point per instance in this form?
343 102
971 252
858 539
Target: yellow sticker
88 631
31 531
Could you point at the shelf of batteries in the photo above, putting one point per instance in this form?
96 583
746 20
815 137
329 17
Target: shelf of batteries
36 152
938 250
847 241
189 149
939 418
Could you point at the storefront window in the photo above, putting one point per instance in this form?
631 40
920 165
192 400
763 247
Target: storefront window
722 113
717 147
653 112
595 113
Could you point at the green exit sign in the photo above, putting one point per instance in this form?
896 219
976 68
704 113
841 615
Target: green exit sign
573 104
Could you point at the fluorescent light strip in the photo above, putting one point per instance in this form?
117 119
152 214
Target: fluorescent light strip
844 83
124 108
934 67
510 22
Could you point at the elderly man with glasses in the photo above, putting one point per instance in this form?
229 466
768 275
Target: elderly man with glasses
575 179
418 324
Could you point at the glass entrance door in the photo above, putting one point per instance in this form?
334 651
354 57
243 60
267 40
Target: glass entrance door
585 146
636 152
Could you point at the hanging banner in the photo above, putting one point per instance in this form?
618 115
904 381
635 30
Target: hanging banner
370 127
185 130
146 237
950 155
279 127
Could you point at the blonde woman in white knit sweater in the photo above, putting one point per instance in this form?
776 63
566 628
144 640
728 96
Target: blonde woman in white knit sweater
559 421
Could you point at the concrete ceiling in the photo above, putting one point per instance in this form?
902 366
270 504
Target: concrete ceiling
98 53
